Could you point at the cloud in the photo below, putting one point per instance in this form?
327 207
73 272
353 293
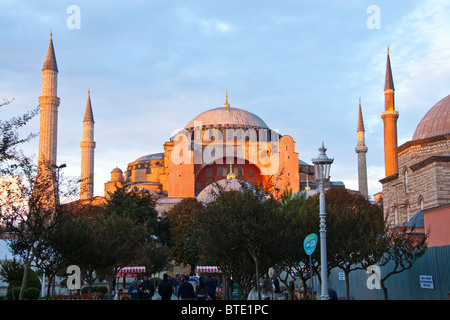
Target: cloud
207 25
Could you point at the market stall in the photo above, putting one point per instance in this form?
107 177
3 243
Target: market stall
127 273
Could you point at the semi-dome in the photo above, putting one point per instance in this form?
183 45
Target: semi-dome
153 156
435 122
227 115
210 193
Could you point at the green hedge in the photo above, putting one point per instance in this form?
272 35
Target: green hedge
31 294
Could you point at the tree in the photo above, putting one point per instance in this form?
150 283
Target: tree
302 220
11 271
353 225
9 136
239 233
185 245
131 231
397 251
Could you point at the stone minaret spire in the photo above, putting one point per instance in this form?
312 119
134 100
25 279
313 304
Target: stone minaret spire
389 117
361 150
49 103
87 153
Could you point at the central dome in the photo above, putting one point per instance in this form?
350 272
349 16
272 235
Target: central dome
226 115
435 122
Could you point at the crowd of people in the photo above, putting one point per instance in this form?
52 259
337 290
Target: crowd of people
183 287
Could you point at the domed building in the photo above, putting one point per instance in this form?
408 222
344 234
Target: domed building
418 193
211 144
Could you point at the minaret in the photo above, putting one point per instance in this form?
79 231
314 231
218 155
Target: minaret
48 103
389 117
87 153
361 150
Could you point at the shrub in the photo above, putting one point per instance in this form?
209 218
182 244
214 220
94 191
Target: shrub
85 289
33 281
101 289
31 294
9 293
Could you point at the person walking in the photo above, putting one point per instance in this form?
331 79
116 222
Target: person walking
267 287
186 290
211 286
276 285
201 290
133 290
147 288
165 288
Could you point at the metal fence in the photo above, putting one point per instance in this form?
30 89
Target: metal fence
428 279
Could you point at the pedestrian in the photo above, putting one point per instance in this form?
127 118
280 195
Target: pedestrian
147 288
267 287
133 290
193 280
201 290
165 288
291 290
186 290
276 285
332 295
211 286
117 296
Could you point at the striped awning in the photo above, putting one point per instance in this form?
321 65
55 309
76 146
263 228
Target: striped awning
206 269
126 270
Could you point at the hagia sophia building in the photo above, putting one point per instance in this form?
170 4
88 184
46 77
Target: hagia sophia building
226 144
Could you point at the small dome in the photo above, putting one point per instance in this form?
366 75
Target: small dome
210 193
435 122
116 169
228 116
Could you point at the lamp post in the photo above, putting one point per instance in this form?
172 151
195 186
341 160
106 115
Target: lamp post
322 166
57 178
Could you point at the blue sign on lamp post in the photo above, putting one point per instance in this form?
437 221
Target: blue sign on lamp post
309 244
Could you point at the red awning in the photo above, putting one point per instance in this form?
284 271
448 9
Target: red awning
206 269
126 270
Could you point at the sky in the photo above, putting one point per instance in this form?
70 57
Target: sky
152 66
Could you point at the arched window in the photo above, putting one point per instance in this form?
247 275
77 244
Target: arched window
405 179
421 202
209 173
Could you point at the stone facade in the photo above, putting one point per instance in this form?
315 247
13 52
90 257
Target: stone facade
423 180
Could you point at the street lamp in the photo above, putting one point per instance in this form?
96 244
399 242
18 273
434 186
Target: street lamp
322 166
57 178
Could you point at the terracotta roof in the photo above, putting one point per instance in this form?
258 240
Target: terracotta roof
435 122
